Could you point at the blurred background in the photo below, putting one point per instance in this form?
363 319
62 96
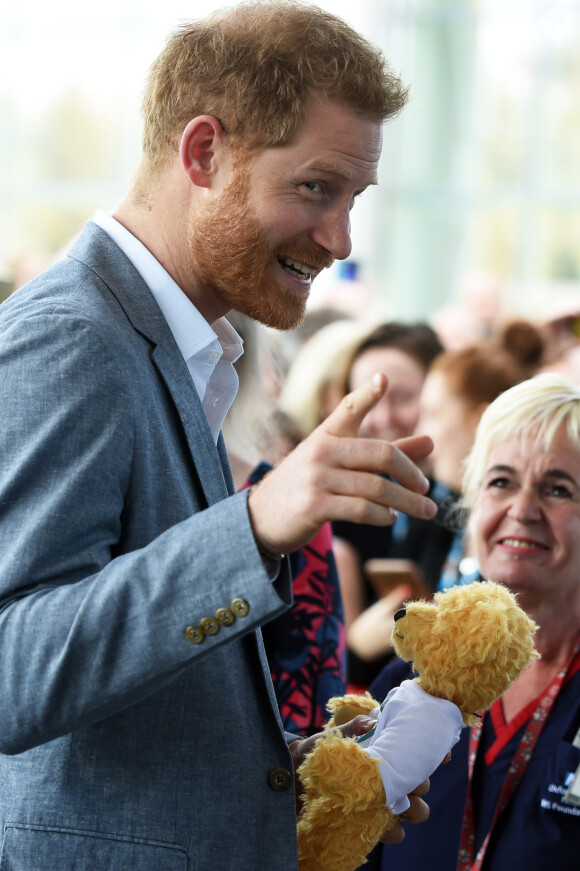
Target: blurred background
479 198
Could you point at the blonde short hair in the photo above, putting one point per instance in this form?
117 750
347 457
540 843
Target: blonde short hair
537 407
254 67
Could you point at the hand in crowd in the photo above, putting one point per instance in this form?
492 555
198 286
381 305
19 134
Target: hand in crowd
369 635
417 812
335 475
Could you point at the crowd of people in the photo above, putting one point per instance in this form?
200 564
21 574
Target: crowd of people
498 403
501 800
189 519
433 390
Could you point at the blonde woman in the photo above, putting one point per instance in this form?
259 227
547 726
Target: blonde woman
510 797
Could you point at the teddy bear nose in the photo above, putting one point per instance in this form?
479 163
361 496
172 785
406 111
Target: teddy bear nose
400 613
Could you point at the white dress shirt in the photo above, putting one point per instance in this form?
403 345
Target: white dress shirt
209 351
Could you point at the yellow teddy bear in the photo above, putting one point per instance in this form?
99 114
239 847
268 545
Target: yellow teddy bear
467 646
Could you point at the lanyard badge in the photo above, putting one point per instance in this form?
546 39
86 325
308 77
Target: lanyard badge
573 794
466 861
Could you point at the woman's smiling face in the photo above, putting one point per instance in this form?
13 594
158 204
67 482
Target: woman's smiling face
526 518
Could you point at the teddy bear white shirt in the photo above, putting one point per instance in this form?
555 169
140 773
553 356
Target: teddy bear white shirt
413 734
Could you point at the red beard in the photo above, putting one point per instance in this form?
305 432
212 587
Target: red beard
233 255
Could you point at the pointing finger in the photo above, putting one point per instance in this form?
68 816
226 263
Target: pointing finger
346 419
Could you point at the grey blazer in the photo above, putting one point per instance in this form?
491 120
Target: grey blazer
130 740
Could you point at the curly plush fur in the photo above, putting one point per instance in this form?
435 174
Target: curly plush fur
467 646
333 797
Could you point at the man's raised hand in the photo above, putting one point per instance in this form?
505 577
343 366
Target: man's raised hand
336 475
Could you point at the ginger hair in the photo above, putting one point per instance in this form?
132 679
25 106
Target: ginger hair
253 68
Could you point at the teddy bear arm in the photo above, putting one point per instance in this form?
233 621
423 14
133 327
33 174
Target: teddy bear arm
344 708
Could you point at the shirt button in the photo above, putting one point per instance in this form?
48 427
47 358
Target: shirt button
280 779
194 634
225 617
209 626
240 607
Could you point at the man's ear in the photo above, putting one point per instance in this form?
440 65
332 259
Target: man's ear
199 149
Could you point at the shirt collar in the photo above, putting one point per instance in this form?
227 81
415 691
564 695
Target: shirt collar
192 333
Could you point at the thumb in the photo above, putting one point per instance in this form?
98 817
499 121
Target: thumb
347 417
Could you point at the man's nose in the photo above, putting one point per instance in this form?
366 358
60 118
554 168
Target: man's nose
333 232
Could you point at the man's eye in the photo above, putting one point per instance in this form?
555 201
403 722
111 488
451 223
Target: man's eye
314 187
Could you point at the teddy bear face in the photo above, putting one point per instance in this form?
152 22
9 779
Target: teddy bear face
468 645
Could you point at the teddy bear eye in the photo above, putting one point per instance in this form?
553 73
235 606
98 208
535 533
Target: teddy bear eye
400 613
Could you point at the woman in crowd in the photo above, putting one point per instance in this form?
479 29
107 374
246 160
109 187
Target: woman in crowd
458 388
506 799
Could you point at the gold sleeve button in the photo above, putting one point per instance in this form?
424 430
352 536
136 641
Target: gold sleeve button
194 634
240 608
225 617
209 626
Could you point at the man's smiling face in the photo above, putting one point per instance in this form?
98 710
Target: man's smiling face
285 215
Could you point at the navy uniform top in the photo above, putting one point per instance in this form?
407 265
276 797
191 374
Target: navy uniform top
537 829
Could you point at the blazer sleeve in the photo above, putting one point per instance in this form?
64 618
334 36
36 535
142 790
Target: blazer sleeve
86 629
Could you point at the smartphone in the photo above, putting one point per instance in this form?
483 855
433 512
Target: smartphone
386 574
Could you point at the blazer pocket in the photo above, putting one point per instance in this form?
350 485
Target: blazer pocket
46 848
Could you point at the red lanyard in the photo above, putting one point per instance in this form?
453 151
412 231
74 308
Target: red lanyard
465 860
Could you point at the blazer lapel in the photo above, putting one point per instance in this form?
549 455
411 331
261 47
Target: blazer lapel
97 250
173 369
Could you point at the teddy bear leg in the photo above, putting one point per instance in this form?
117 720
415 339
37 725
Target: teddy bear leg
344 708
344 812
330 840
